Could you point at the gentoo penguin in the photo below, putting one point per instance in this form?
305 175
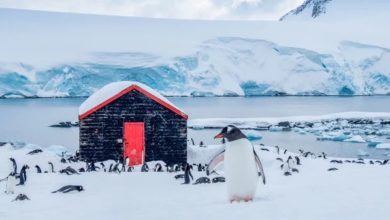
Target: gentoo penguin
14 165
21 197
51 166
23 175
38 169
69 188
241 163
11 182
187 174
201 180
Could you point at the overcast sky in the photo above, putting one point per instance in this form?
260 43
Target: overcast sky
183 9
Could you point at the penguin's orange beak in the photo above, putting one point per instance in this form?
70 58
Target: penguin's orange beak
220 135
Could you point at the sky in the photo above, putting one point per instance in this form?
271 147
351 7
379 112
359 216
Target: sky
178 9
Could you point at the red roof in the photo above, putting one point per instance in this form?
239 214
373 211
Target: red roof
127 90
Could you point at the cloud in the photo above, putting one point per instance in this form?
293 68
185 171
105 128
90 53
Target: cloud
181 9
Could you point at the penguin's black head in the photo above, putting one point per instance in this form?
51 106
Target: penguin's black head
231 133
80 188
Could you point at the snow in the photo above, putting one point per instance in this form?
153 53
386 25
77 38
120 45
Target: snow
111 90
345 193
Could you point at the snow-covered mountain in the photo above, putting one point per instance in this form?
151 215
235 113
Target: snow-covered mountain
227 66
340 10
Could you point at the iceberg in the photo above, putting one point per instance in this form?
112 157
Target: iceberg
355 139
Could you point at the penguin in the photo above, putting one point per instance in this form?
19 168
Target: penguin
14 165
200 168
69 188
158 168
295 170
290 162
277 149
11 183
177 168
51 166
38 169
21 197
241 163
115 168
69 171
187 174
218 179
145 168
23 175
298 161
103 166
332 169
91 167
36 151
201 180
179 176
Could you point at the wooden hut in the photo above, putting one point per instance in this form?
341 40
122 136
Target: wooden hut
130 120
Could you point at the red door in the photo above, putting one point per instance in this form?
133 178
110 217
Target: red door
134 142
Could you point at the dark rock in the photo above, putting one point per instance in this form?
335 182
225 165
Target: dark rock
284 124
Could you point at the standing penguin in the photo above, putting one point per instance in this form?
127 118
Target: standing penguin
187 174
23 175
51 166
241 163
14 165
11 182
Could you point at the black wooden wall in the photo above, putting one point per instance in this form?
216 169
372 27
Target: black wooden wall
165 131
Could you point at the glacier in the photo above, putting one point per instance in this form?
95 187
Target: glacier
222 66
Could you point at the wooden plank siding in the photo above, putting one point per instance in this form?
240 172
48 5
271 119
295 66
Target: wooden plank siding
165 131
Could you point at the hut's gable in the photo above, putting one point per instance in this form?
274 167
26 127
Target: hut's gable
113 91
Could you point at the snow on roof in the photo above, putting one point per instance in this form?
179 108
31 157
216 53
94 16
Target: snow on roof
111 90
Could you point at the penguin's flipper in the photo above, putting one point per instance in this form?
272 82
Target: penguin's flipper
215 162
259 166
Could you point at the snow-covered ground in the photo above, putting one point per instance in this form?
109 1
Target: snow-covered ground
354 191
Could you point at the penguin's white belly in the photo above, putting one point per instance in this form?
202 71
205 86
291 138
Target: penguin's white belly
240 170
11 181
